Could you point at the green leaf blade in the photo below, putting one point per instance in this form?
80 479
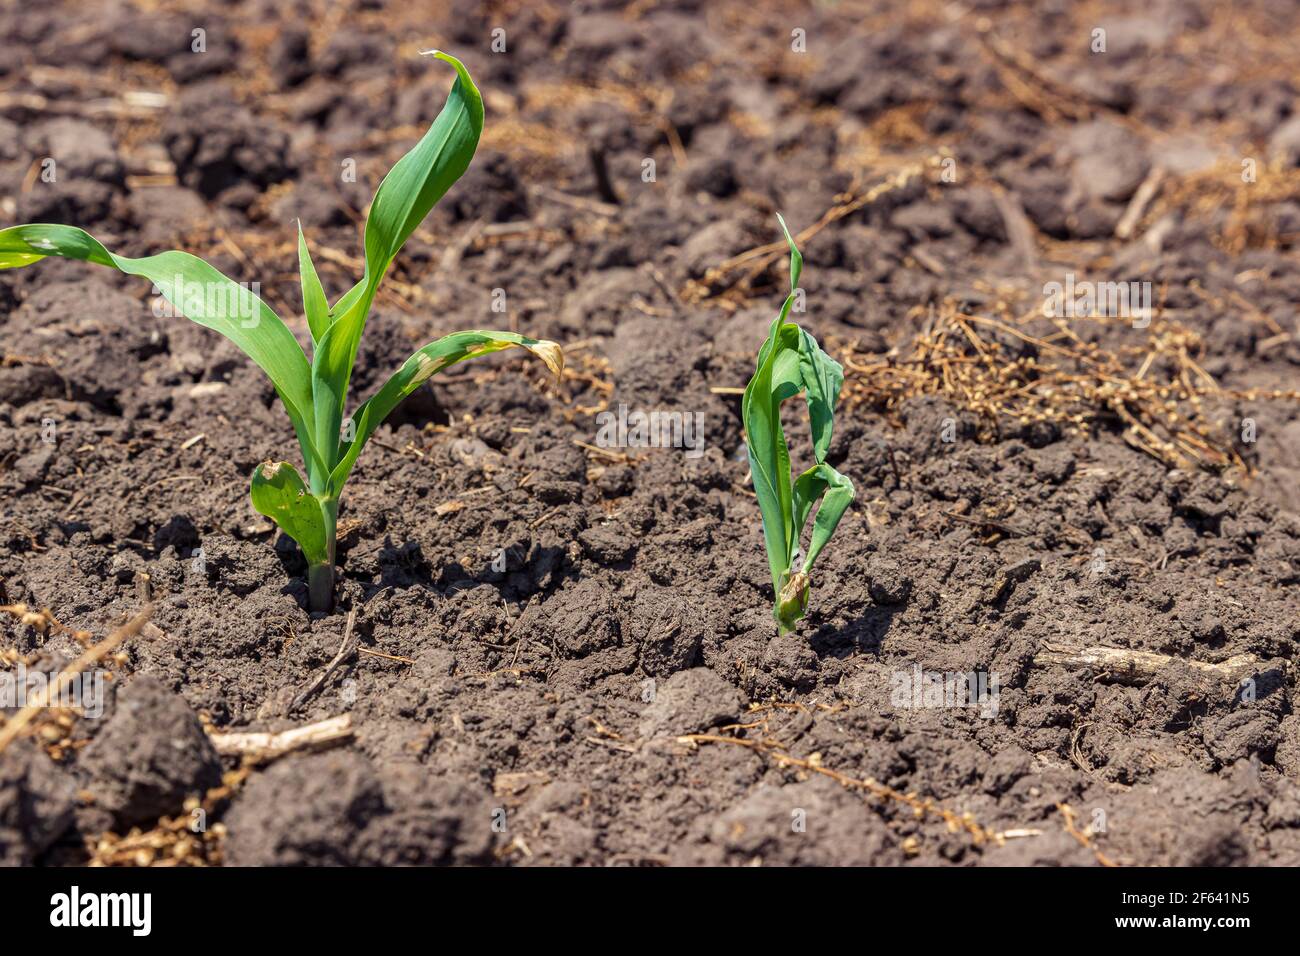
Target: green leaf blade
423 365
200 293
769 459
314 303
821 377
821 483
796 257
410 190
422 177
278 492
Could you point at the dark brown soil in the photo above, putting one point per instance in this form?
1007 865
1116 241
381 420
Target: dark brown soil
534 715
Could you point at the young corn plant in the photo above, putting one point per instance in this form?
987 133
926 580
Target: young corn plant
315 392
791 362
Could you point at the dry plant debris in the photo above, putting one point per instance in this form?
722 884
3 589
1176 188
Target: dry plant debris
775 751
1084 836
734 278
263 747
1029 369
54 725
188 839
1128 666
183 840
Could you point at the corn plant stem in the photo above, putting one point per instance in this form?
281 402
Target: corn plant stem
320 577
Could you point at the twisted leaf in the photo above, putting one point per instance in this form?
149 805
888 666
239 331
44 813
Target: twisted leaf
790 361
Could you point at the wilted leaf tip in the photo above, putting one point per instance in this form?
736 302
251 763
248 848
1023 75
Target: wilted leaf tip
551 354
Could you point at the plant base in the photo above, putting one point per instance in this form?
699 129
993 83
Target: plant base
320 588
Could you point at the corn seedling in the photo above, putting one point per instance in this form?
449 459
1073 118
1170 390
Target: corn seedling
791 362
314 392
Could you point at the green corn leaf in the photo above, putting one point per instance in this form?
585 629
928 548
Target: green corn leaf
789 362
421 177
769 460
314 302
411 188
279 493
822 378
422 366
329 383
810 487
202 294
